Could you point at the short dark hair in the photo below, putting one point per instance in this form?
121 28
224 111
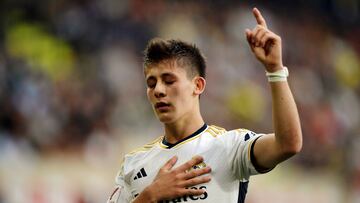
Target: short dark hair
159 50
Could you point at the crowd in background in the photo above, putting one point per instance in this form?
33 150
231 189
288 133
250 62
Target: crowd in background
72 92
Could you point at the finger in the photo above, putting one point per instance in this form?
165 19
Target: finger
256 33
267 38
248 38
259 18
196 181
259 35
192 191
253 33
248 35
195 173
195 160
170 163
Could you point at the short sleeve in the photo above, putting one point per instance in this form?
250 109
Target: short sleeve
239 143
121 193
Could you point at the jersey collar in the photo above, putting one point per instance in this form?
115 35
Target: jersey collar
169 145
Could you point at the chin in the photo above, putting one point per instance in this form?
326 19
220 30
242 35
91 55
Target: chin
165 118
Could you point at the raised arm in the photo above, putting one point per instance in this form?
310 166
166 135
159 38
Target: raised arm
271 149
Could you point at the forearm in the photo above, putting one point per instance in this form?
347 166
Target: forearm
145 197
286 120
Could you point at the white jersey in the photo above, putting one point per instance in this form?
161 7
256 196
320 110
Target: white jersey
226 152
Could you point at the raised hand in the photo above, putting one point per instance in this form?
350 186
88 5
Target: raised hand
265 44
171 183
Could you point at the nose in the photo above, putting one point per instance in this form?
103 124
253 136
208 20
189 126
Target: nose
159 90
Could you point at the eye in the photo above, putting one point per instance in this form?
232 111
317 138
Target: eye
151 86
151 83
169 82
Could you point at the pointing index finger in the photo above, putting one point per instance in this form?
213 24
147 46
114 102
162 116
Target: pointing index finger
259 18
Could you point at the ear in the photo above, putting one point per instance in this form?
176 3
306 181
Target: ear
200 84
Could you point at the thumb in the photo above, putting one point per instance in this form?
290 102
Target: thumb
248 38
248 33
170 163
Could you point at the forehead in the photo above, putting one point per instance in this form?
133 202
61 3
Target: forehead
165 67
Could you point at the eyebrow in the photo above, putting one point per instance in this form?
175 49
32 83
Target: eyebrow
168 75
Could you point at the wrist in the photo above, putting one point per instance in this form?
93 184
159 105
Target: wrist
278 75
274 67
150 194
146 196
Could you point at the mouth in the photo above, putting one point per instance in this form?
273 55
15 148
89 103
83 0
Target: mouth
162 106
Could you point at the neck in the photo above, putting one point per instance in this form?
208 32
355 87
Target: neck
183 127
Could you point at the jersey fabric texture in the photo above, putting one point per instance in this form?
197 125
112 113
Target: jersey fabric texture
228 153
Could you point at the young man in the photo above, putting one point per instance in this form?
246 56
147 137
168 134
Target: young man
194 162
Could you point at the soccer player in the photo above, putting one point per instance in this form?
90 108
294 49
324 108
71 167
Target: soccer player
193 161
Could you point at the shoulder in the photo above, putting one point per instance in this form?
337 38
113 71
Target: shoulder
145 148
220 132
216 131
135 156
239 137
138 154
247 134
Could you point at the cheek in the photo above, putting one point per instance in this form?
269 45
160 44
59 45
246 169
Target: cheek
184 93
148 94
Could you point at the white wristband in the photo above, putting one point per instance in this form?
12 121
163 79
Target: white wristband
280 75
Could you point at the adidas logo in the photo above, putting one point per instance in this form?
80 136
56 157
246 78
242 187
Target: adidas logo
140 174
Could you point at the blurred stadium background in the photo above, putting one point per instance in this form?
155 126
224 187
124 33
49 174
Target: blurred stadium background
72 95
